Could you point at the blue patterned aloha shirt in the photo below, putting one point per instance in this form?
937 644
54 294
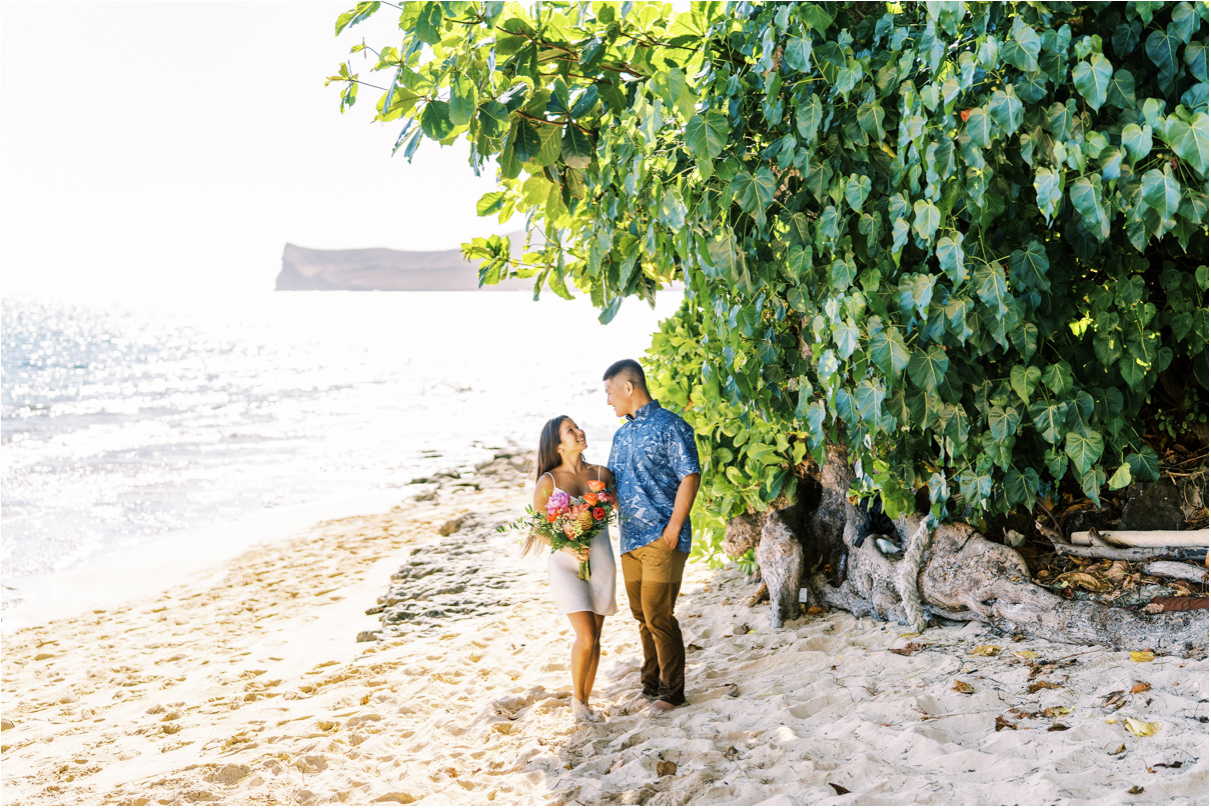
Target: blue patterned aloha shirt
652 453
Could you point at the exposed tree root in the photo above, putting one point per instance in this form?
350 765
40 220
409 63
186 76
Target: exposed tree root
962 576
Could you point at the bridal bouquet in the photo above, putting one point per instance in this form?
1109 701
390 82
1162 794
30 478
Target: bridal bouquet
570 522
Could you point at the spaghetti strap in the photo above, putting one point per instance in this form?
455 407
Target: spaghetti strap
599 474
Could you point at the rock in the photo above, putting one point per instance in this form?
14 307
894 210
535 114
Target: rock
1014 539
1153 506
369 636
452 526
6 724
664 768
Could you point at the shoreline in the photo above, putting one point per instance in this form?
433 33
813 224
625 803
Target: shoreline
249 687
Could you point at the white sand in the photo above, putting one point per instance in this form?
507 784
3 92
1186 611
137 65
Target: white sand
247 688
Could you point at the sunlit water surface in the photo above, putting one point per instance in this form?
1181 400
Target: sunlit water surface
128 420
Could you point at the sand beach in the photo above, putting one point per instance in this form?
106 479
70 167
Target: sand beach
247 684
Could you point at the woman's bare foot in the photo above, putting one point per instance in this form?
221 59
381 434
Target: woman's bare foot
582 713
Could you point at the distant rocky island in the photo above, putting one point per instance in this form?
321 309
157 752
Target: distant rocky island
378 269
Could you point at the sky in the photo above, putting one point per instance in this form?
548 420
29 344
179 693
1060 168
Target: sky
178 146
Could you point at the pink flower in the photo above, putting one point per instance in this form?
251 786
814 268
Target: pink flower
559 499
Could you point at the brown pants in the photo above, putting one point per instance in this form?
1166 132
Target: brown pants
653 579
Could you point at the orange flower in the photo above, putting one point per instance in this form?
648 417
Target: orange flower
552 516
568 530
590 498
596 486
965 114
599 513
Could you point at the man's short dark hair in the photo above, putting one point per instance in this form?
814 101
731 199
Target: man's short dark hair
630 371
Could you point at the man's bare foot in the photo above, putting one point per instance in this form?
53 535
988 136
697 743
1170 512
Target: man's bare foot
660 707
582 713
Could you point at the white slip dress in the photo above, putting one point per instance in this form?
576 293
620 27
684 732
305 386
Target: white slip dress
574 595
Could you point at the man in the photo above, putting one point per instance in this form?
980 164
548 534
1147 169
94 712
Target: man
655 462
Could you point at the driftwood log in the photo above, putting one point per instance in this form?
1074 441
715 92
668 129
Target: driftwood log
952 572
1143 538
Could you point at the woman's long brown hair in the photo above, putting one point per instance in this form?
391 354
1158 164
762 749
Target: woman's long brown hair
548 458
548 446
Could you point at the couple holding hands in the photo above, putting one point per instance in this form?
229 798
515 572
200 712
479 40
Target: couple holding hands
654 466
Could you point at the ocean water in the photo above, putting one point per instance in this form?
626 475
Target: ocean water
125 421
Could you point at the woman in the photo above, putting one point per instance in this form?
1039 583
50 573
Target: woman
562 467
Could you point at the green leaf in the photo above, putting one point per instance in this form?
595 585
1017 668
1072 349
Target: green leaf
992 288
916 292
1184 22
857 188
799 261
927 369
526 141
798 299
1047 188
551 145
1005 110
1161 192
608 313
1030 266
870 118
463 100
846 336
754 191
1092 482
1189 140
1022 49
727 259
950 256
1161 47
1122 477
816 17
926 221
584 103
798 53
1023 381
489 203
1137 141
576 147
428 25
887 348
1121 92
1003 422
1086 197
359 12
1145 465
1022 487
1048 418
869 397
979 128
706 134
808 118
435 120
1057 377
842 273
1092 79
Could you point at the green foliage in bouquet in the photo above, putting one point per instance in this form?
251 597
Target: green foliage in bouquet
966 241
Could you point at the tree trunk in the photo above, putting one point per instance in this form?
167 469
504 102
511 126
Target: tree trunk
962 576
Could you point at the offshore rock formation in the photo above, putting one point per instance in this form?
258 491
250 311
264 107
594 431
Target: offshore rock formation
304 269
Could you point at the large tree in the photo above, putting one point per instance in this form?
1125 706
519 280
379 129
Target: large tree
956 252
